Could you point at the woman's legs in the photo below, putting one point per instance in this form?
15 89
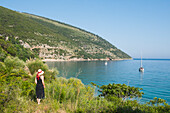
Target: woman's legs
38 100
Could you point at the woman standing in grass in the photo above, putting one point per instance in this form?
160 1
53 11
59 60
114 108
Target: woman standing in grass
39 80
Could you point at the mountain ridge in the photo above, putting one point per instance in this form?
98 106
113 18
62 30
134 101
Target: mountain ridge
52 39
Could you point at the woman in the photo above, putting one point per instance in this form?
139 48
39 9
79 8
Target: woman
39 80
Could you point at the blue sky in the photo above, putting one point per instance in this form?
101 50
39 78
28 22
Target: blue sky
131 25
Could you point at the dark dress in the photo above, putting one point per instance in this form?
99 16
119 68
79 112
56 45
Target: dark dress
40 89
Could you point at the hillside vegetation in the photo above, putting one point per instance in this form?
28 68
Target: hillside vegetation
55 40
11 47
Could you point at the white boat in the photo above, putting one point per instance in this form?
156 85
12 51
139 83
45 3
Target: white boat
141 69
105 63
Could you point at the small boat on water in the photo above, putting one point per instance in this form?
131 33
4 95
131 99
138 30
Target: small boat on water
141 69
105 63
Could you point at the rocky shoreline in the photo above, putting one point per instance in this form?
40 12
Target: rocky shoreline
81 59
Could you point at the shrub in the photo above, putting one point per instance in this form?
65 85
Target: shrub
34 65
70 92
2 69
120 91
15 67
14 63
51 74
3 54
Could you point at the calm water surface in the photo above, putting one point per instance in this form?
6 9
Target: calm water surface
155 81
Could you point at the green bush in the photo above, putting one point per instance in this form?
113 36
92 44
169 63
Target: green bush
120 90
15 67
14 63
67 90
34 65
3 69
51 74
3 54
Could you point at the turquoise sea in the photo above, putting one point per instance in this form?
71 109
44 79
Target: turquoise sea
155 80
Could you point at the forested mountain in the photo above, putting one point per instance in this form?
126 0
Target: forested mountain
55 40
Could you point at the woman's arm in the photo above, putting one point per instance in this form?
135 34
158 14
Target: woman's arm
42 77
35 80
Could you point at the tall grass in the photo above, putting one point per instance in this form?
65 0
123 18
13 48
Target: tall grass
68 92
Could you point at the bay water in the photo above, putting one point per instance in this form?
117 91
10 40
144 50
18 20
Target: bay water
155 80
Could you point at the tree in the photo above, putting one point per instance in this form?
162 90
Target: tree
157 101
120 91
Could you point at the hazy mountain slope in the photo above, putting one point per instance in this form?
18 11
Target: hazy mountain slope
53 39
